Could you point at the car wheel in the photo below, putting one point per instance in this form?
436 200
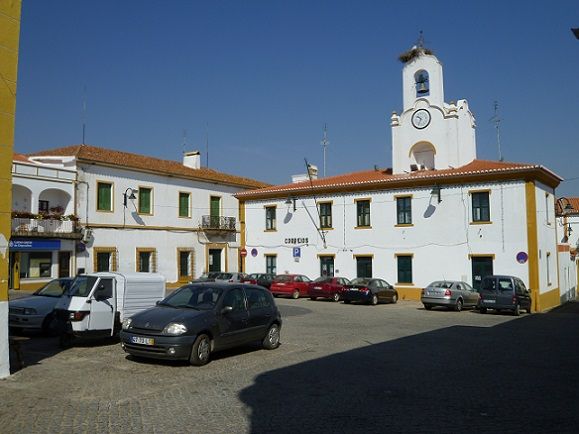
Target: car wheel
458 306
201 351
336 297
66 340
483 310
271 339
517 310
50 325
346 301
394 298
428 306
374 300
295 294
312 298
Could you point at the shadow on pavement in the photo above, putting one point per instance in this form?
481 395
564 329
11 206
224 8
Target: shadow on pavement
520 376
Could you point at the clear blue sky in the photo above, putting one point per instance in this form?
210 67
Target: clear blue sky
266 75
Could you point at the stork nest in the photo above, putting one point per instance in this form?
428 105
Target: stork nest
413 53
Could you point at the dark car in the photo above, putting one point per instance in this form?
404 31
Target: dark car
369 290
200 318
328 287
261 279
290 285
504 293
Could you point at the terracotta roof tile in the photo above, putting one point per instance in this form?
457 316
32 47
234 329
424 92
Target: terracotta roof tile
20 157
94 154
379 178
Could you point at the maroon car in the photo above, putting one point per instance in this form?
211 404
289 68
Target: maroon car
290 285
328 287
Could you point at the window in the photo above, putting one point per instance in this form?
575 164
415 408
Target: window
235 299
404 268
43 206
185 264
146 261
547 211
270 224
327 266
270 264
256 299
404 210
363 213
364 266
104 196
105 259
325 215
481 207
548 268
145 200
35 264
184 204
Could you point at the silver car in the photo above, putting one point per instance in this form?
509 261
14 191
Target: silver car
36 312
451 294
233 277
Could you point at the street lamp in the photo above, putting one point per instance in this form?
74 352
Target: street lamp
436 192
290 201
127 195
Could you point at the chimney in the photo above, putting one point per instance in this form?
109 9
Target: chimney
313 174
192 159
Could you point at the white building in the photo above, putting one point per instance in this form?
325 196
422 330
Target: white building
44 229
567 210
439 213
145 214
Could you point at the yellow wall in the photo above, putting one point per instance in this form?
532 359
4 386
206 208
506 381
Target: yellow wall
9 35
408 293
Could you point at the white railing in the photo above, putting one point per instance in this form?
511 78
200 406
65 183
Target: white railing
45 226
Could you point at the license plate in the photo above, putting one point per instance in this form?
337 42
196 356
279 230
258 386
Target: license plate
142 341
317 287
353 289
490 301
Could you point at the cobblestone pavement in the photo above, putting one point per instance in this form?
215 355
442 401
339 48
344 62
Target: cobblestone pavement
341 368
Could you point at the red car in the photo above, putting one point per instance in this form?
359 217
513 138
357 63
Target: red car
291 285
328 287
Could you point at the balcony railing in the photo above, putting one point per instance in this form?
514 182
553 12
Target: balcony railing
217 223
45 228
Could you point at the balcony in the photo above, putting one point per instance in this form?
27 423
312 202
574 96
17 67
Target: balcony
45 228
218 223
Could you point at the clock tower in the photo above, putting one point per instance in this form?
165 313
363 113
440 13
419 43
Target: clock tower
429 134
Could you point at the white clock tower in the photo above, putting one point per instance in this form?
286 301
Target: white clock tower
429 134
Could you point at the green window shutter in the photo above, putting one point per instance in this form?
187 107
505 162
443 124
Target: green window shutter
183 205
404 269
145 200
104 197
214 209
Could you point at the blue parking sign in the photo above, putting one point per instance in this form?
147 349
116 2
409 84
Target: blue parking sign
297 252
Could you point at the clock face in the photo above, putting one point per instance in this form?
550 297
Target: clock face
421 119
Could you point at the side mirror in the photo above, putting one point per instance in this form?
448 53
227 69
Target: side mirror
226 310
158 302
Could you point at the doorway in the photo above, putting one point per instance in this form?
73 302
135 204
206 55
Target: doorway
327 266
481 266
63 264
214 260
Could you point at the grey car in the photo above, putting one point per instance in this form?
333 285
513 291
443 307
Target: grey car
36 312
449 293
233 277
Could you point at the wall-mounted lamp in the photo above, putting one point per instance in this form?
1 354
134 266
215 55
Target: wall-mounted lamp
291 201
128 194
436 193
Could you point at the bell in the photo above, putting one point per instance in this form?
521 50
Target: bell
421 88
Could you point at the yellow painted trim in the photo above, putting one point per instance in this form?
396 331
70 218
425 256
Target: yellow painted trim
481 222
270 230
403 196
370 255
242 240
153 264
266 207
362 227
369 199
404 284
220 203
111 250
482 190
327 229
181 278
408 293
404 225
145 228
404 254
112 184
481 255
331 202
532 244
189 210
326 255
550 299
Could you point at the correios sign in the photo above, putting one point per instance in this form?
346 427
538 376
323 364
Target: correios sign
24 244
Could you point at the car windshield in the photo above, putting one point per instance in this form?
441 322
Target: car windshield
360 281
488 285
224 276
82 285
323 279
442 284
193 297
253 276
54 288
284 278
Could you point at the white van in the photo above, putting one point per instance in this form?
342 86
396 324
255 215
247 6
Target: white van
97 303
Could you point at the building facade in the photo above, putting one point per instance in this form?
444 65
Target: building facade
439 213
567 210
144 214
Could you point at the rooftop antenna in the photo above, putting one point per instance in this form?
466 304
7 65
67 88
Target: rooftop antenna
420 42
84 114
184 145
497 120
325 144
318 228
206 144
